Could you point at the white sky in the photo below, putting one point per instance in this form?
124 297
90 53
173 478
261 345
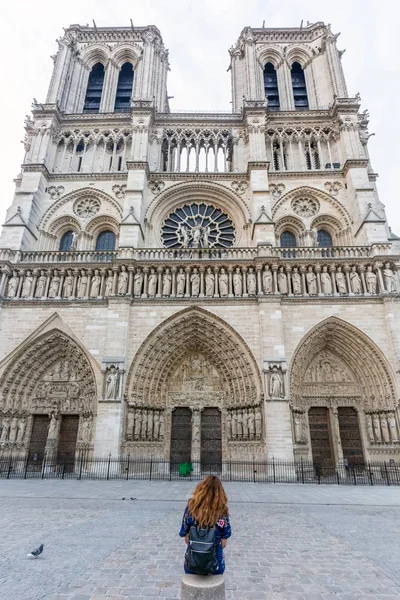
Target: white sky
198 34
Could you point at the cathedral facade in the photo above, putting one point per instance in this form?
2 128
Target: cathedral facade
196 286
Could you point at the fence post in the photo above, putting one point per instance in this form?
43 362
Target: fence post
108 466
370 474
273 467
254 471
44 465
80 468
302 469
63 469
337 475
151 466
26 466
230 470
9 467
387 474
127 468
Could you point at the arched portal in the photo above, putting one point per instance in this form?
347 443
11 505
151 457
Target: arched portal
344 405
196 361
47 400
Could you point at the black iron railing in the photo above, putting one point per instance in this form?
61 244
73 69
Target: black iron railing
130 468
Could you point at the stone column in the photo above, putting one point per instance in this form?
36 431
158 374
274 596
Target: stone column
74 286
146 276
380 278
60 287
201 269
89 278
289 281
5 273
361 270
198 587
20 282
259 281
216 289
187 294
346 269
332 270
275 278
338 450
173 289
131 271
244 282
318 273
303 280
115 281
230 270
159 283
103 276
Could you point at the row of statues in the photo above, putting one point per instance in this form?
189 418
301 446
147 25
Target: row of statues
382 428
12 429
202 282
244 424
146 425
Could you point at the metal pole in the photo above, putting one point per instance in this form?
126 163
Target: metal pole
127 468
108 466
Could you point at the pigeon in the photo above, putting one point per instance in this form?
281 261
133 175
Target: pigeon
133 498
35 553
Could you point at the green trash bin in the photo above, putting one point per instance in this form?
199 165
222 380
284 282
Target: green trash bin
185 469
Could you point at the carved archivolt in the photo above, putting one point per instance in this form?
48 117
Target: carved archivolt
337 360
203 337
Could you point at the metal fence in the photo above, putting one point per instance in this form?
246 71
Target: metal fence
129 468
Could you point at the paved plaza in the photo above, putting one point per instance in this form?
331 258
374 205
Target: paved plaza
289 541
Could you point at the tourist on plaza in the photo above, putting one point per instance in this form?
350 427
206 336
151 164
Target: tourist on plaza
206 527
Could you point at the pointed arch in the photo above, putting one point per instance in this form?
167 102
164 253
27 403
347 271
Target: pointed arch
371 371
193 329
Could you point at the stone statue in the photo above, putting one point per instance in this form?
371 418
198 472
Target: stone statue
210 282
326 282
138 423
12 286
13 429
180 283
130 422
162 425
21 429
355 280
86 430
393 427
138 283
296 282
237 282
5 429
27 287
123 281
53 427
377 427
341 281
251 423
385 429
388 278
370 280
152 284
258 423
150 424
74 241
267 280
229 425
112 383
143 426
166 283
195 281
282 281
41 285
196 236
239 424
109 284
299 428
196 427
251 282
185 236
245 424
234 425
223 283
83 285
206 235
311 279
55 285
95 285
370 429
156 425
275 384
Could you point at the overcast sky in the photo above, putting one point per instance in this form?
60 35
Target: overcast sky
198 34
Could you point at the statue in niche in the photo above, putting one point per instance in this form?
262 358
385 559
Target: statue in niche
195 282
21 429
41 285
251 282
196 236
5 429
385 429
196 427
370 429
130 423
341 281
229 425
245 424
336 426
167 283
123 281
237 282
95 285
27 286
210 282
162 426
300 434
152 284
138 423
184 234
311 279
275 383
13 429
86 429
251 423
150 424
296 282
239 424
388 278
156 425
138 283
109 284
393 427
258 423
223 283
206 235
112 380
83 285
54 285
370 280
234 425
180 283
143 428
377 427
12 286
267 280
282 281
53 427
355 280
326 282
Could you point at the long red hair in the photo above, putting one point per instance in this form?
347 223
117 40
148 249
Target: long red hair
209 502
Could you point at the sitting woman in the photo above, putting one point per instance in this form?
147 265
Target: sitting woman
206 521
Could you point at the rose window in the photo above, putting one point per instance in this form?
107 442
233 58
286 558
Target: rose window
305 207
86 207
198 226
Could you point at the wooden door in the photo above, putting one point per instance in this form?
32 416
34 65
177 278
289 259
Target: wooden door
321 440
38 439
67 441
181 436
350 435
211 442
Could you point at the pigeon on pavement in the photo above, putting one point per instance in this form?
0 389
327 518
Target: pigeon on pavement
35 553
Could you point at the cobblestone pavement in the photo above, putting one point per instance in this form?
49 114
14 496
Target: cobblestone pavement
289 541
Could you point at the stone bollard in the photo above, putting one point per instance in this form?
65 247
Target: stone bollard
198 587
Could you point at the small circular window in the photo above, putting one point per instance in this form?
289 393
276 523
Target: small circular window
198 226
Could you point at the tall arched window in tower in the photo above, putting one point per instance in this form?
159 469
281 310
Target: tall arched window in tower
124 88
105 240
271 87
94 89
299 87
66 241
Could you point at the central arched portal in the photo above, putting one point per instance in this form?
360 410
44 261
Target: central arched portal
191 377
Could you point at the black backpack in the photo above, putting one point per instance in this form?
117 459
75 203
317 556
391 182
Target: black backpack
201 556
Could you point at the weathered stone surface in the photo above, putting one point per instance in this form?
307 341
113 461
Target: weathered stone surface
195 587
